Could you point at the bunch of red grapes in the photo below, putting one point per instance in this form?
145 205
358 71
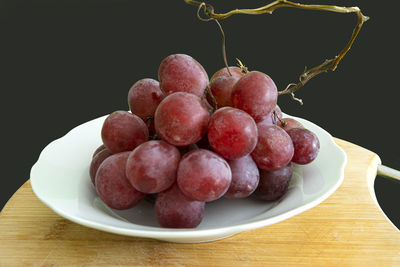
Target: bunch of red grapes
174 146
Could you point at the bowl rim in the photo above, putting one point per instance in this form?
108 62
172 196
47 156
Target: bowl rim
162 233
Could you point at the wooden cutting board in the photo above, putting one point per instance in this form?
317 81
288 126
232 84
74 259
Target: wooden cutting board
347 229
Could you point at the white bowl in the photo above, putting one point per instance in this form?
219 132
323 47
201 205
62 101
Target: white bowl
60 179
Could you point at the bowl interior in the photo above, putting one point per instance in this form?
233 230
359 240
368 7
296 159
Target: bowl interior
61 180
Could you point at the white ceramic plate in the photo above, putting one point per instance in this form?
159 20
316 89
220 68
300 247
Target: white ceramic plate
60 179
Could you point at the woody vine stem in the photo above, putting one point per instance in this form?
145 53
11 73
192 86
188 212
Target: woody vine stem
329 64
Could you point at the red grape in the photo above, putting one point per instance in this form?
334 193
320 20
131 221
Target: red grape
112 185
175 210
267 119
306 145
256 94
123 131
232 133
235 71
182 73
99 149
96 161
152 166
274 149
270 119
208 105
203 175
245 176
278 111
144 97
290 123
181 119
221 88
273 184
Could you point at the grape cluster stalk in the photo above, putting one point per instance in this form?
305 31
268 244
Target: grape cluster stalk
308 74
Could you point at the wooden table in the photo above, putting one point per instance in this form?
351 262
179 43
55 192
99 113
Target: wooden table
347 229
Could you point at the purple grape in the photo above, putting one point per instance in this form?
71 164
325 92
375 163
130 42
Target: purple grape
256 94
306 145
123 131
273 184
181 119
278 111
232 133
100 148
203 175
274 148
290 124
144 97
96 161
112 185
270 119
221 88
182 73
245 177
152 166
174 210
235 71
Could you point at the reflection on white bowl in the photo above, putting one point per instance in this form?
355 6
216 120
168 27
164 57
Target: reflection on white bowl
60 179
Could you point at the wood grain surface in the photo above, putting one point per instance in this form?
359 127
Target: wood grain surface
347 229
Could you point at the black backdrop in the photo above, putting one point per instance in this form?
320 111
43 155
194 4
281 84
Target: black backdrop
67 62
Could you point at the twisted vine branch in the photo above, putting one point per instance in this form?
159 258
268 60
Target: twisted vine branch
329 64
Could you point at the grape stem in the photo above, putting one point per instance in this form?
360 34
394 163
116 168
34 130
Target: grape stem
222 33
276 119
214 101
242 67
329 64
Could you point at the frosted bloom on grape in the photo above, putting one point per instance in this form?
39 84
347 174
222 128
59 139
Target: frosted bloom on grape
144 97
174 210
274 184
245 177
256 94
182 73
123 131
221 88
181 119
152 166
306 145
232 133
203 175
274 148
113 187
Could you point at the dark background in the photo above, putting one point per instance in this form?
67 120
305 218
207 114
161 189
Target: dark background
64 63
